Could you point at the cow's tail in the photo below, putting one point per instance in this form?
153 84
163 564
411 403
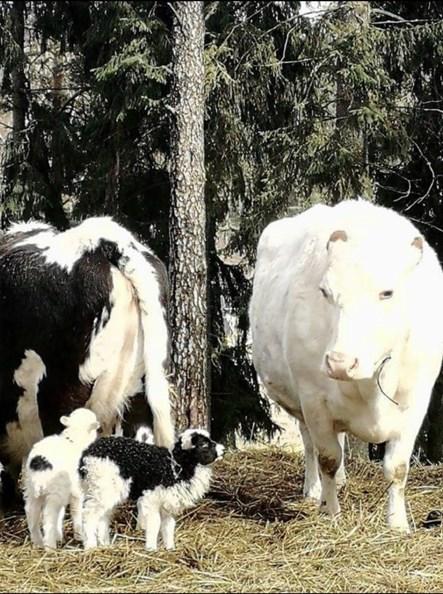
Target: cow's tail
147 275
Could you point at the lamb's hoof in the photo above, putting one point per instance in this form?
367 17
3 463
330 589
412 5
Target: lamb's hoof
50 548
151 548
89 546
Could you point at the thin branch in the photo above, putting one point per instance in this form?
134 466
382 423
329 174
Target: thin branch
384 12
426 223
237 25
281 23
431 185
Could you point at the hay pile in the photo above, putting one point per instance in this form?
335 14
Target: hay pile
253 534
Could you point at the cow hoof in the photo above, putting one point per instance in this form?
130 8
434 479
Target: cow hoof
340 481
313 494
332 513
400 528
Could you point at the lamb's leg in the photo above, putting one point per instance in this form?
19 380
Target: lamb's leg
60 519
51 514
167 530
92 512
75 506
33 510
151 518
104 538
140 522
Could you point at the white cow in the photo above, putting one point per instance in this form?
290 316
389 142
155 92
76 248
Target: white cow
347 327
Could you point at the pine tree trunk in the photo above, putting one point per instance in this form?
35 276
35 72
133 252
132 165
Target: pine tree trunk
10 192
188 256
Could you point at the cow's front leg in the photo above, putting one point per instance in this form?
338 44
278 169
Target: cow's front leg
312 485
329 449
329 460
396 468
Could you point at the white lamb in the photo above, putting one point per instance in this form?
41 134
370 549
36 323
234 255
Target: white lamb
51 480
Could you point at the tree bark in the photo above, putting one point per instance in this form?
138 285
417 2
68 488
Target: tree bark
13 161
188 253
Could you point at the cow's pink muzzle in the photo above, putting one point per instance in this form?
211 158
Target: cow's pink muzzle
340 366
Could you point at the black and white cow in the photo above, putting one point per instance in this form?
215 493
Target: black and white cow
82 323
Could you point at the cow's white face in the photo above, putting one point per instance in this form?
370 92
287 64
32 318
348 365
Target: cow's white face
364 292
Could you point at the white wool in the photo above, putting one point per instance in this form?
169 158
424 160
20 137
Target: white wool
48 491
186 437
144 434
105 488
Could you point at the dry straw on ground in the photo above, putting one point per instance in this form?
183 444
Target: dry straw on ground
253 534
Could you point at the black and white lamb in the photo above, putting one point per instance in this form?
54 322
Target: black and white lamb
163 482
51 480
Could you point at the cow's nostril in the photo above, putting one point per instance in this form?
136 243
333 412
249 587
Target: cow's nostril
354 365
328 364
336 357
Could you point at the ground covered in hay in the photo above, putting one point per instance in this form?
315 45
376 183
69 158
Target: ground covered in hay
254 533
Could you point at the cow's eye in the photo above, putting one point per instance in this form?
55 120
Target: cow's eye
323 292
386 294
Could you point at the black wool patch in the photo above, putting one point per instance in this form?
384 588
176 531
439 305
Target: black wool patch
40 463
149 466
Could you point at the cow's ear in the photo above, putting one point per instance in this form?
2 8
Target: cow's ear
338 235
417 245
64 421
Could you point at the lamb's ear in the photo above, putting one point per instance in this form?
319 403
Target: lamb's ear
95 425
64 421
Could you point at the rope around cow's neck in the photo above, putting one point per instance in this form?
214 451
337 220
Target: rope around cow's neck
380 369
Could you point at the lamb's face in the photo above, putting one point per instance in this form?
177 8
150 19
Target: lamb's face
203 447
83 422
